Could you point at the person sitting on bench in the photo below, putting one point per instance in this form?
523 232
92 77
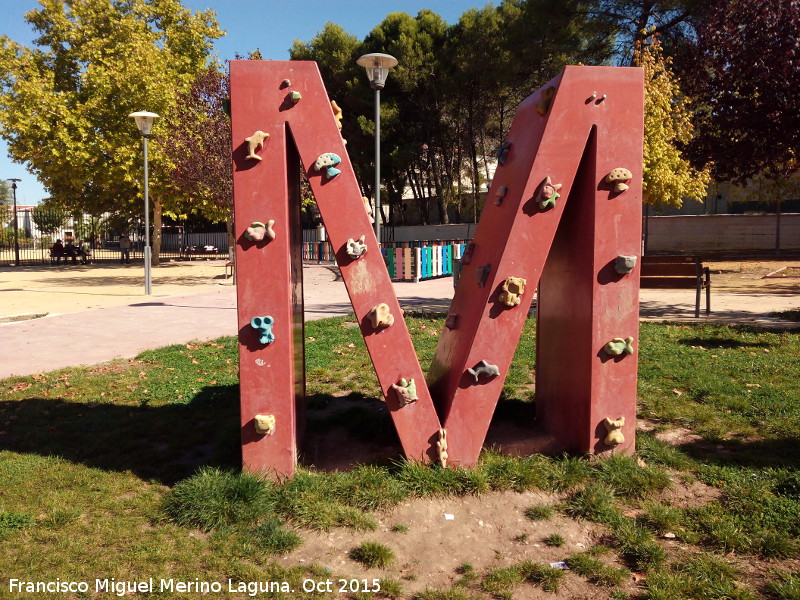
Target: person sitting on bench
57 251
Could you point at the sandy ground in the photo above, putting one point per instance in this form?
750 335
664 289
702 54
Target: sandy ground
74 288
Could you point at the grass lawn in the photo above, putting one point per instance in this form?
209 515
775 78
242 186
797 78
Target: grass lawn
129 470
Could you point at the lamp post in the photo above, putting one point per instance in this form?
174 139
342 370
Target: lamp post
377 66
16 222
144 121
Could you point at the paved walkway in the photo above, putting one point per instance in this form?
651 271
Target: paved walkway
101 332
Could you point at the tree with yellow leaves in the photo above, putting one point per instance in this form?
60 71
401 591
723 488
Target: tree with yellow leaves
668 176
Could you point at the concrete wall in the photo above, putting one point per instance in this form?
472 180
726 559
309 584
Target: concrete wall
721 233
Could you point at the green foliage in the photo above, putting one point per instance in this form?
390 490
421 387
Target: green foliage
596 570
702 576
48 218
271 537
214 498
555 540
540 512
500 582
668 177
594 503
372 555
75 88
786 587
637 546
12 521
661 519
628 479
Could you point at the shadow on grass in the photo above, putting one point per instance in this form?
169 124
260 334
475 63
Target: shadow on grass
758 454
721 342
164 443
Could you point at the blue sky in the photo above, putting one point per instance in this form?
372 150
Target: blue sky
269 25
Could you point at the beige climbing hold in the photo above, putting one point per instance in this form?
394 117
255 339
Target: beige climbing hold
513 288
367 208
356 248
258 231
406 391
337 113
255 143
380 316
618 177
265 424
614 437
441 448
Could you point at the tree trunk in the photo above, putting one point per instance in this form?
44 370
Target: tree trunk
437 182
157 209
422 202
229 227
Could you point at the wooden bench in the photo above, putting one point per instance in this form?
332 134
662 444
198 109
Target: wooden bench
677 272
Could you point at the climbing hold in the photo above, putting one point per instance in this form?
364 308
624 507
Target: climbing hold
619 346
258 231
356 249
502 153
500 194
624 264
485 369
544 102
328 161
255 143
368 208
295 96
265 424
614 437
549 194
618 177
406 391
337 113
482 273
264 327
286 82
451 320
513 288
467 256
380 316
441 448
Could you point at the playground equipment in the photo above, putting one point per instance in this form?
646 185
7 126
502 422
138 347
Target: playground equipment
566 217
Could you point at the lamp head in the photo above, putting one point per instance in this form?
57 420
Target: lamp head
13 182
144 121
377 66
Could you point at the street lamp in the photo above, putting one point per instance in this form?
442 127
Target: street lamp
16 222
377 66
144 121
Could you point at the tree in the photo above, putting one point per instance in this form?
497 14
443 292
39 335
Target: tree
744 72
668 177
64 103
49 219
633 21
199 149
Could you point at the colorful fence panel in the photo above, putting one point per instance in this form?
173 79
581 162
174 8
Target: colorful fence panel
405 261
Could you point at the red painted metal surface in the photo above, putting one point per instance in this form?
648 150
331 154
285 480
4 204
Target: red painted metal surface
584 303
260 101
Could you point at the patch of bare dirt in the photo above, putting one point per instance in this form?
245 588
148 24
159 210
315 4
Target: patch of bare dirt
678 436
750 276
442 534
688 495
